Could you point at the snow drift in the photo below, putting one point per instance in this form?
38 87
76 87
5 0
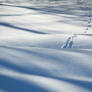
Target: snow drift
45 46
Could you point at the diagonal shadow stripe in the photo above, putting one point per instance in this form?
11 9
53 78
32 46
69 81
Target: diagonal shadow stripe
20 28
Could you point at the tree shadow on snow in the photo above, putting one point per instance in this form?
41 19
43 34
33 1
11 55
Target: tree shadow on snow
20 28
41 72
15 85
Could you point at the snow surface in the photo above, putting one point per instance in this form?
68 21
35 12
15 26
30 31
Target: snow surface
45 46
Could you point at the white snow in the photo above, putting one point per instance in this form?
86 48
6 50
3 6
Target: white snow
45 47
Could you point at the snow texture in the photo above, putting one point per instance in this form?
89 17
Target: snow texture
45 46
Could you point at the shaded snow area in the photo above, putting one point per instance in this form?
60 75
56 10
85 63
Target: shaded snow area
45 46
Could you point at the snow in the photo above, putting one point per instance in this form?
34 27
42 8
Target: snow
45 46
